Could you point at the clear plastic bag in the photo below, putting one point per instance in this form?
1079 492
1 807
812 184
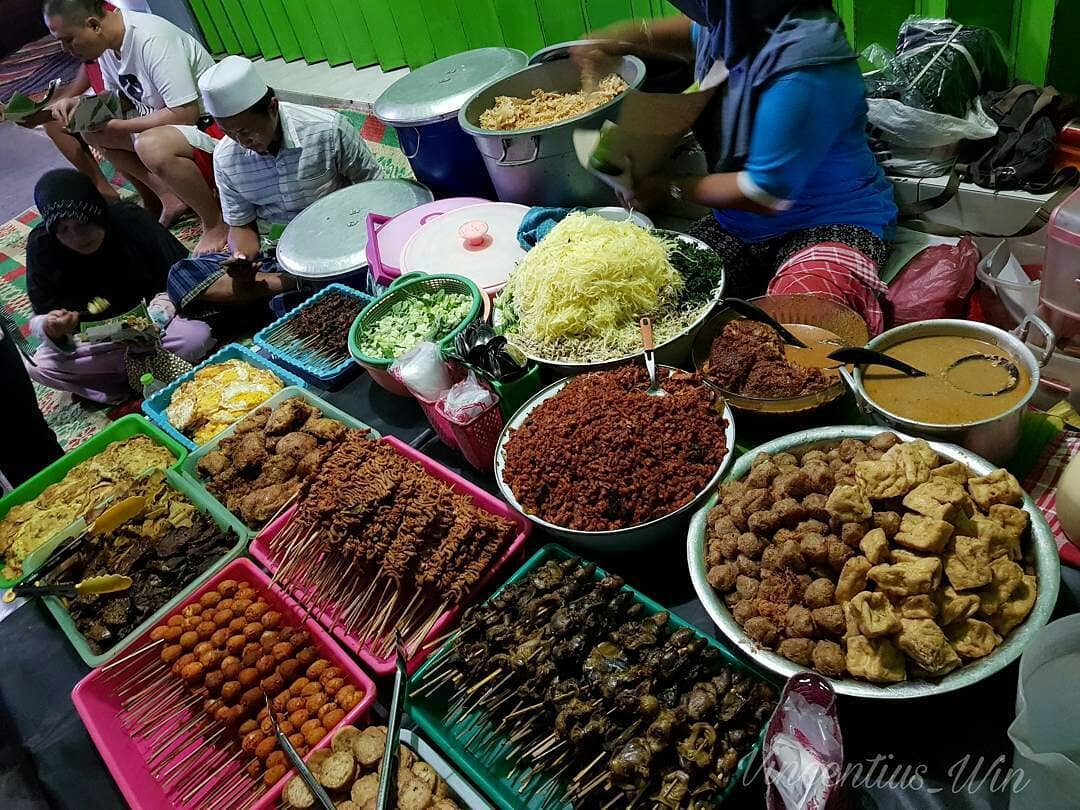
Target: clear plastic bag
936 284
804 748
423 371
467 399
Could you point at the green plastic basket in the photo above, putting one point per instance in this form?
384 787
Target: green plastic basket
205 504
411 285
124 428
428 710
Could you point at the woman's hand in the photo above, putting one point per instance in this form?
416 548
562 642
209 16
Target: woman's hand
60 323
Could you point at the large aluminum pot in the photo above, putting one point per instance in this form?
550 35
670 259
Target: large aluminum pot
539 166
994 439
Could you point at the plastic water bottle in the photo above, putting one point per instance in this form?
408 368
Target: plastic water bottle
150 386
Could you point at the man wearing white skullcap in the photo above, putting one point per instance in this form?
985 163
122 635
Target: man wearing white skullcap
277 159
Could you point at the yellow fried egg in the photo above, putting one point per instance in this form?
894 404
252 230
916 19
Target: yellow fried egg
217 396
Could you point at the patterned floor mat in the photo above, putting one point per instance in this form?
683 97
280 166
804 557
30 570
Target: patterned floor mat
74 421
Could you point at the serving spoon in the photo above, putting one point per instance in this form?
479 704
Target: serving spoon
753 313
868 357
650 359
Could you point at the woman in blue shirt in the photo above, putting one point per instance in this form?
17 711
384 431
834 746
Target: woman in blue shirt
799 202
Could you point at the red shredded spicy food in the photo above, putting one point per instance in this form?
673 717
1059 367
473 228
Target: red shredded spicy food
603 455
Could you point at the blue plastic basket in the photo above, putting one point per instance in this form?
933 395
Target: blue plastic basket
155 407
325 378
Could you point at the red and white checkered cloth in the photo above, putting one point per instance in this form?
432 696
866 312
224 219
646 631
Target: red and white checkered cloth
1042 486
837 271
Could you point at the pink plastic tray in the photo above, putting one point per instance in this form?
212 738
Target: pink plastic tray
99 707
260 550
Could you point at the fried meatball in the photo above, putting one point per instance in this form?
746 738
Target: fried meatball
744 611
762 630
815 506
747 566
799 650
747 587
839 552
722 577
798 622
814 548
852 533
762 474
819 593
751 545
830 620
829 659
888 522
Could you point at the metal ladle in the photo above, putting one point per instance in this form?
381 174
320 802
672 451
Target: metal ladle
868 357
650 359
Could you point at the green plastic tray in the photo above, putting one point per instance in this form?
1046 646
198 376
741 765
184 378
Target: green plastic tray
124 428
428 711
205 504
188 468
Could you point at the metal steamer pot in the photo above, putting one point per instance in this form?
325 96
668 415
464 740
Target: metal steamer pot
994 439
540 166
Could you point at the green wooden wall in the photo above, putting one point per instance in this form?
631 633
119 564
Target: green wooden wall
1042 36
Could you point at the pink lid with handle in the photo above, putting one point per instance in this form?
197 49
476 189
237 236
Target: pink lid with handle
387 236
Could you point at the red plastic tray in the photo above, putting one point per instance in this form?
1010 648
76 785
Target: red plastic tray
260 550
100 708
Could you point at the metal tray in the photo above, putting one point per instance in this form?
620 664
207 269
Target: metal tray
1047 565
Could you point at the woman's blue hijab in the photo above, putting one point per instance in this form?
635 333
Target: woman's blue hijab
758 40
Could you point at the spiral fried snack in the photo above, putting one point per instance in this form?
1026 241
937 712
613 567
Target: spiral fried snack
378 544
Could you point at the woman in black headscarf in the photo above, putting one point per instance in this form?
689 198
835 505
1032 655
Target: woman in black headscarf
87 255
799 202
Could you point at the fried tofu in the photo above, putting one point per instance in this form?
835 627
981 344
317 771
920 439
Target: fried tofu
924 534
915 460
972 639
940 498
1007 576
872 614
956 608
852 578
1013 523
967 563
925 644
919 607
881 479
908 578
875 547
1000 486
955 471
876 660
1017 607
848 504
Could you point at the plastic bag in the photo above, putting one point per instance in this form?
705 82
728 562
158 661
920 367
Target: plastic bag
804 748
935 284
466 400
939 65
918 143
423 371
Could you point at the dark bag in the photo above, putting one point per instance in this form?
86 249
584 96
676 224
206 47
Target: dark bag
1021 156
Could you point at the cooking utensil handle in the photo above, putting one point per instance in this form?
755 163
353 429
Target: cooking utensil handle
1024 329
647 335
417 150
400 280
860 401
868 357
374 225
748 310
508 142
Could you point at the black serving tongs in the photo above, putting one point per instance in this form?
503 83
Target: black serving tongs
753 313
388 778
317 790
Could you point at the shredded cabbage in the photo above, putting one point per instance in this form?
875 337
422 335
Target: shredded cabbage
589 277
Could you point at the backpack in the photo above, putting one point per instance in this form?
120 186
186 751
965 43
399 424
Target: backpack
1021 155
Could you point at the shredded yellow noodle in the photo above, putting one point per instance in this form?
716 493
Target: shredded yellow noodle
545 107
580 292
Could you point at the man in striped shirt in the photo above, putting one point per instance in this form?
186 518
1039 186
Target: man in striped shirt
277 159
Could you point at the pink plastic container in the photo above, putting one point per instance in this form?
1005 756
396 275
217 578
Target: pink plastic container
477 438
260 550
439 423
1060 287
100 708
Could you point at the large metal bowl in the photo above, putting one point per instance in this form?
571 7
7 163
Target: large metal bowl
673 352
1047 571
634 537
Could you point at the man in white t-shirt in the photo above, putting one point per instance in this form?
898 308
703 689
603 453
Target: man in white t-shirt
155 69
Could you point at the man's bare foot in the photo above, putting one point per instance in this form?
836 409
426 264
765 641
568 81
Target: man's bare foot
214 240
173 210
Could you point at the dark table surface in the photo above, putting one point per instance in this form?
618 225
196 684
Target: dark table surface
953 742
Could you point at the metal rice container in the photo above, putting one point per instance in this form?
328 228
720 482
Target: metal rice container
539 166
423 109
994 439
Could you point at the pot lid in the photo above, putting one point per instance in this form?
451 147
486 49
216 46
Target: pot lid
329 238
439 90
478 242
384 251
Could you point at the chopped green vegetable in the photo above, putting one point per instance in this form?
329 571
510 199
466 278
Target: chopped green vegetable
412 320
702 271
